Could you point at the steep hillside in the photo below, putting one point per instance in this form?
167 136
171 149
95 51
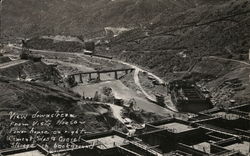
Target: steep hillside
166 36
54 45
37 71
30 98
173 45
77 17
221 30
227 80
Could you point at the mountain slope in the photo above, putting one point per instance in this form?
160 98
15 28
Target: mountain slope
179 45
172 43
78 17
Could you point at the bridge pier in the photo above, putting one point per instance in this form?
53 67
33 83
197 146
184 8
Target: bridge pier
80 75
90 77
73 77
126 70
116 75
98 76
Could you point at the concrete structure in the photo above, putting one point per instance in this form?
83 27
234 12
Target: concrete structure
188 97
185 138
234 120
206 134
99 72
156 139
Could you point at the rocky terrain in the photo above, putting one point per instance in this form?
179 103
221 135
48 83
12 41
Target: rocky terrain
87 18
31 71
177 46
181 32
220 30
55 45
206 41
31 97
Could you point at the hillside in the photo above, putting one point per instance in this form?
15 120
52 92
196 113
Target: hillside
168 37
172 46
36 71
87 18
30 98
221 29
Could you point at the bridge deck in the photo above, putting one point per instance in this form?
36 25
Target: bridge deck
103 71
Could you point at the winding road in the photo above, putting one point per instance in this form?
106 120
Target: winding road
136 73
12 63
137 82
225 59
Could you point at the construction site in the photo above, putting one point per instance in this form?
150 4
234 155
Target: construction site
181 120
204 134
124 78
188 97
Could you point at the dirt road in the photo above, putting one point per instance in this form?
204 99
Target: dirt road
225 59
136 74
121 91
117 110
12 63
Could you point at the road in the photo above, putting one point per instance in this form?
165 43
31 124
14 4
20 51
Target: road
12 63
42 51
137 82
80 67
117 110
136 73
120 91
156 77
225 59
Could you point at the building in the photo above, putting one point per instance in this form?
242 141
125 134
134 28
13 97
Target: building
188 97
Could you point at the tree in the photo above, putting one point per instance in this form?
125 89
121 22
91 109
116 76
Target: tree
71 81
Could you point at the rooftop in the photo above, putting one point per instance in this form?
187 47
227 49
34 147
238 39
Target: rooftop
176 127
242 147
28 153
109 141
203 146
228 116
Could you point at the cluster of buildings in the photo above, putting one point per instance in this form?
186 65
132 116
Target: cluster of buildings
213 133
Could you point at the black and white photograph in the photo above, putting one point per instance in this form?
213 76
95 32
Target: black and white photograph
124 77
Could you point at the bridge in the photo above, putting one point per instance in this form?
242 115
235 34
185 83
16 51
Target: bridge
99 72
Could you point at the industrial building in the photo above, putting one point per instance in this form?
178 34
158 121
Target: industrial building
212 133
188 97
